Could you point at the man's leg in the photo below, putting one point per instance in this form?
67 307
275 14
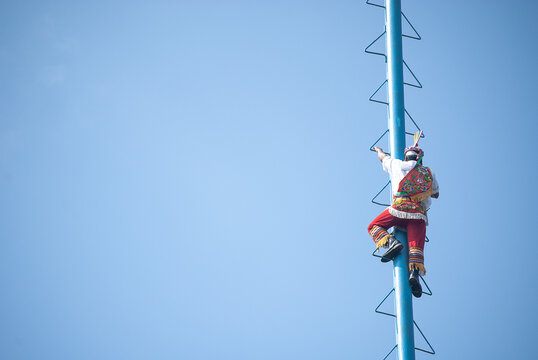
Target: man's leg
416 234
378 231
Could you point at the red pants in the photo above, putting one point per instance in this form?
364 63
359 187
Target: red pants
416 236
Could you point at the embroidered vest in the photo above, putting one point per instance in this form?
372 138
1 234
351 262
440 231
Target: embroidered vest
414 187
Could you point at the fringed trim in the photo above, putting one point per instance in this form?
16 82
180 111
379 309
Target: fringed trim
379 235
383 242
416 259
406 215
420 267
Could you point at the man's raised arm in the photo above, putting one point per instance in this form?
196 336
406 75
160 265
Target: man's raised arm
380 154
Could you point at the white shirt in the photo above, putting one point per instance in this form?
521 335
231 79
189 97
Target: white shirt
397 170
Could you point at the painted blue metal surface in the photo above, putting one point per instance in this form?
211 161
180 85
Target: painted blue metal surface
395 78
403 301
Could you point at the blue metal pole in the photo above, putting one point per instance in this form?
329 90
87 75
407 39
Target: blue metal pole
403 300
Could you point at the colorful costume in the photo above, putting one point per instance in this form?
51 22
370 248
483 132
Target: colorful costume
412 186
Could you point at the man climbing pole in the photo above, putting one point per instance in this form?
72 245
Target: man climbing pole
412 186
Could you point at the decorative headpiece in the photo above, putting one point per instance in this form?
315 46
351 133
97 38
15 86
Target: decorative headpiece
415 148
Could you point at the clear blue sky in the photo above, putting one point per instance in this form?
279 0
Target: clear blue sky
191 179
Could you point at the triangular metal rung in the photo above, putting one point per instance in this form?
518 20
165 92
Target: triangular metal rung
381 303
414 76
417 36
372 43
377 5
376 91
378 140
388 153
431 351
414 123
375 253
390 352
380 191
418 85
429 293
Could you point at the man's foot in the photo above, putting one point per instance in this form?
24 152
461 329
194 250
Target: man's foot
394 249
414 281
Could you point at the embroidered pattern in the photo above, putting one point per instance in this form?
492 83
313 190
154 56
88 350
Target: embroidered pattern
407 205
416 260
380 235
414 187
417 181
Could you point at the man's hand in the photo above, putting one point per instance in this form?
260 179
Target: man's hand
380 154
